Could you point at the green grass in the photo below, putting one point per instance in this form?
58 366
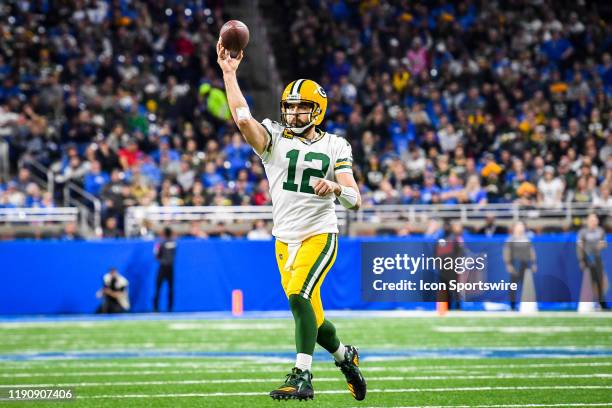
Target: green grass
445 377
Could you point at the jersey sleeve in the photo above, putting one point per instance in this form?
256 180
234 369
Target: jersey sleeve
273 130
344 158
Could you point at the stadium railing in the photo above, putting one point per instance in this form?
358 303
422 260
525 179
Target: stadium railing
240 217
24 222
54 214
42 175
365 220
4 160
89 206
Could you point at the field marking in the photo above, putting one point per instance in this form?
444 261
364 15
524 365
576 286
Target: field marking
219 363
220 318
204 328
97 373
266 361
455 353
237 325
37 365
57 348
376 390
97 328
521 329
567 404
285 314
320 379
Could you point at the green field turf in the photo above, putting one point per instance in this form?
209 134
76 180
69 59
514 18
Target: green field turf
556 360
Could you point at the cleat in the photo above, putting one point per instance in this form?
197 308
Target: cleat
350 368
297 385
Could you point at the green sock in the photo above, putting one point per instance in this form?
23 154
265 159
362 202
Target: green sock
305 324
327 338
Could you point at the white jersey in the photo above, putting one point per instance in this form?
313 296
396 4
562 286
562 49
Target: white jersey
293 165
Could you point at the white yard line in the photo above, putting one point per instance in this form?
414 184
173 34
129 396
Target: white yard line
248 318
386 351
522 329
567 404
320 379
376 390
211 367
36 365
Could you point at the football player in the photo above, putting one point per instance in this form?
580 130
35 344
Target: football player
307 169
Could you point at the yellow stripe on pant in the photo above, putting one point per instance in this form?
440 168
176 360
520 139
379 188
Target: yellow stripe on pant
313 260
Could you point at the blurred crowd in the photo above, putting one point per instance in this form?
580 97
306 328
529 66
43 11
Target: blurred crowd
122 98
443 102
465 102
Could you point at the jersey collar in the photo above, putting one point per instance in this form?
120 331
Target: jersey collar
319 135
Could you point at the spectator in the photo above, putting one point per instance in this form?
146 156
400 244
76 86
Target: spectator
211 176
70 232
237 153
107 157
259 231
216 102
129 154
451 193
491 228
417 57
186 176
339 68
550 189
220 231
73 171
195 231
111 229
95 179
603 199
449 138
415 164
430 192
473 192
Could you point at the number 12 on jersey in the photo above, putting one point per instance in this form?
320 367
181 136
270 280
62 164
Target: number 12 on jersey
293 156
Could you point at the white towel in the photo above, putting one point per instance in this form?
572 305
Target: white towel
292 250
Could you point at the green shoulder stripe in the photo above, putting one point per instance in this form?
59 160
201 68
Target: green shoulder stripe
345 166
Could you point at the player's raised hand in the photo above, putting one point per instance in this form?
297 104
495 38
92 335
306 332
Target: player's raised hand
325 187
225 60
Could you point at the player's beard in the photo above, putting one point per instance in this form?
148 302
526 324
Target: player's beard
301 123
293 119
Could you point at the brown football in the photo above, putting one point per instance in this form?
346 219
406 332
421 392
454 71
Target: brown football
234 36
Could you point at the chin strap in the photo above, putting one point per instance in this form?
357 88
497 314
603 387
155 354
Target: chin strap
300 130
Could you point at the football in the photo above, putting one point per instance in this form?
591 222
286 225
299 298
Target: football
234 36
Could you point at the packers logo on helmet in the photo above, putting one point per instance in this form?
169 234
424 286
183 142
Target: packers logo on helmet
304 91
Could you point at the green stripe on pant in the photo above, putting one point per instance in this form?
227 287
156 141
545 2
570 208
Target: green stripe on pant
333 250
317 264
320 266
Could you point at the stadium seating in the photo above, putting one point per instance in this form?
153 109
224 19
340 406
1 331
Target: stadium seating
443 109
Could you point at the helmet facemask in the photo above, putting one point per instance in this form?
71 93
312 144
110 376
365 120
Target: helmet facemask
291 120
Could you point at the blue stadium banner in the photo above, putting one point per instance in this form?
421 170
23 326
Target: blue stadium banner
483 271
64 276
